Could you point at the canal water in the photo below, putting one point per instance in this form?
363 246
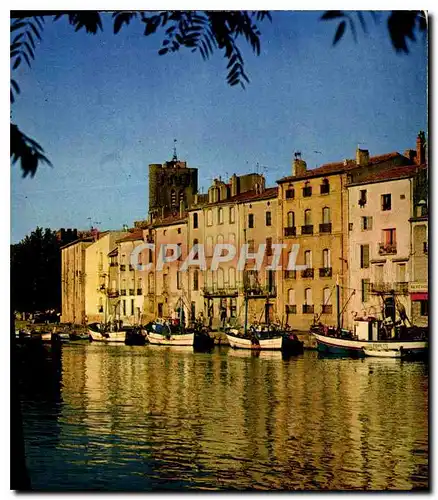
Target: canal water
102 417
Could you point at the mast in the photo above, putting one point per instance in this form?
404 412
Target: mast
246 313
338 309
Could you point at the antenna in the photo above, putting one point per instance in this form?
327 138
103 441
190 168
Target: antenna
175 157
297 154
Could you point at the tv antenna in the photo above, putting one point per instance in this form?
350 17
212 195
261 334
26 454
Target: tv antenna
297 155
175 157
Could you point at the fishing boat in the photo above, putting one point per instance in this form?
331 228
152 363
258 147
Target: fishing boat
98 333
168 332
135 336
79 336
387 337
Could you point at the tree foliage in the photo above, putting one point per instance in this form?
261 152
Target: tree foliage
199 31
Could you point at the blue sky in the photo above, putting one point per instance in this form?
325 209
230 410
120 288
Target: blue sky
105 106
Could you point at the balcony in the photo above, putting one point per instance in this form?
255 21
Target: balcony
387 248
307 273
381 287
307 191
325 228
112 294
291 309
290 231
122 267
402 287
139 291
216 291
308 229
122 292
260 291
307 309
131 291
325 272
327 309
290 275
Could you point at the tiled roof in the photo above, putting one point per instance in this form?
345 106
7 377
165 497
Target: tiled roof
170 219
114 252
338 167
136 234
88 239
252 195
399 172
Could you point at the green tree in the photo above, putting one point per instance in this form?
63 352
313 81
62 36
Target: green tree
198 31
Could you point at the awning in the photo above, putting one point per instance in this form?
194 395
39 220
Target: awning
419 296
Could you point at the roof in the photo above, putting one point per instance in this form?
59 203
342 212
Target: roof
136 234
170 220
338 167
245 197
114 252
396 173
88 239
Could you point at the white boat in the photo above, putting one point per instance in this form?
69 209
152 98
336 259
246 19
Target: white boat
254 343
105 336
169 338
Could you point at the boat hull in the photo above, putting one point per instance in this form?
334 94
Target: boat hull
179 339
387 353
109 337
333 345
273 344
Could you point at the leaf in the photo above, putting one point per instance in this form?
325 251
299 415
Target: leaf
15 86
35 30
17 63
29 49
362 22
332 14
339 32
163 51
17 37
17 25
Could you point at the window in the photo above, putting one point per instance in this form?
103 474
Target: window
232 239
350 226
326 215
233 307
268 218
365 290
139 286
209 217
268 246
173 198
401 273
364 256
362 198
180 255
290 219
326 258
308 258
220 215
232 277
151 282
178 280
367 223
195 248
307 190
378 273
386 202
195 280
220 278
232 215
291 297
250 220
307 217
424 308
195 221
124 307
308 296
210 278
290 193
132 307
325 187
209 245
326 294
389 237
251 246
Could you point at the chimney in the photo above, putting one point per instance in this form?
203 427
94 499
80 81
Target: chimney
362 157
421 148
410 154
299 167
234 187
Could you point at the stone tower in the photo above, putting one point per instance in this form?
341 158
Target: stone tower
170 184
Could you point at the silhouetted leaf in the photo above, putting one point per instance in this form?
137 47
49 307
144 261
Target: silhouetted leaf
332 14
15 86
163 51
339 32
362 21
17 25
17 63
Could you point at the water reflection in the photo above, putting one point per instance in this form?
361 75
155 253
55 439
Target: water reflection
154 417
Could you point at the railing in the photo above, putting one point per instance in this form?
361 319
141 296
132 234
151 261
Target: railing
325 228
112 294
225 291
122 292
122 267
139 291
291 309
307 191
307 273
290 275
402 287
382 287
308 229
325 272
325 189
387 248
327 309
260 291
307 309
290 231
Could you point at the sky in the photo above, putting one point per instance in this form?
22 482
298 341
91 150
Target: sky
105 106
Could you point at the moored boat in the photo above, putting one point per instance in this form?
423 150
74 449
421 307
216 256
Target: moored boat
383 353
98 334
261 340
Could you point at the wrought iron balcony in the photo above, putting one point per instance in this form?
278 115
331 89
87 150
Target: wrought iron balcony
122 292
131 291
307 273
381 287
290 275
112 294
325 228
216 291
308 309
260 291
308 229
327 309
290 231
387 248
325 272
291 309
